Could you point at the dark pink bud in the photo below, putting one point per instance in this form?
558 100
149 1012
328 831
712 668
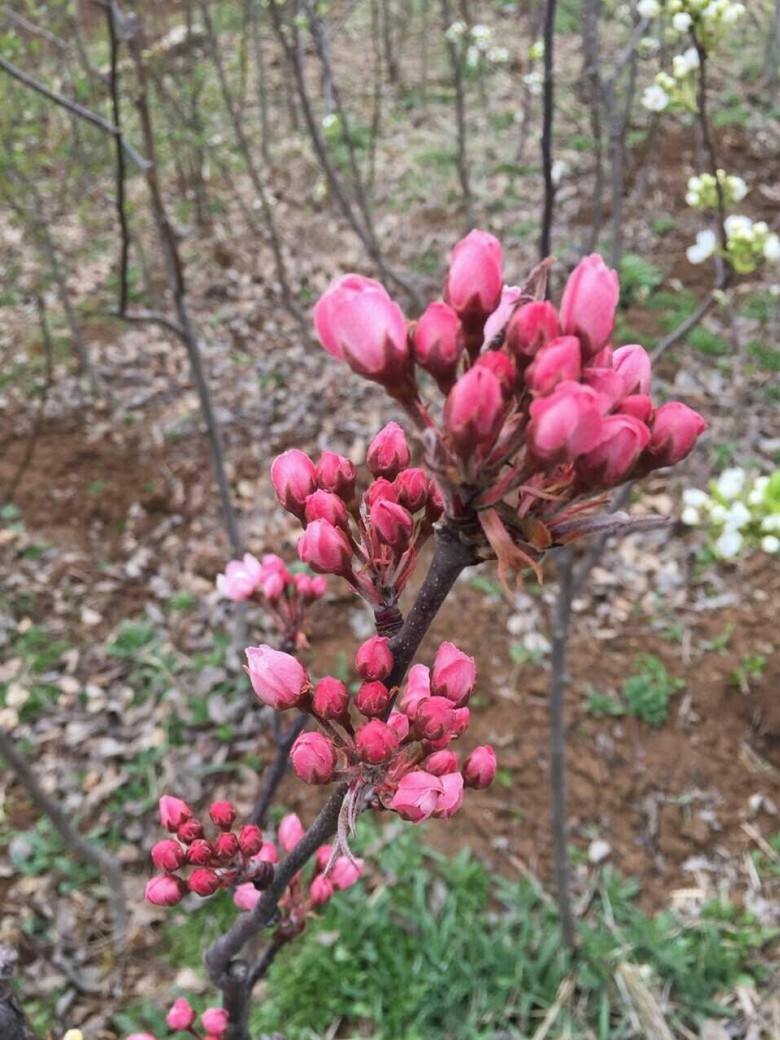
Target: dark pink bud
479 768
345 872
502 367
331 698
290 831
181 1016
225 847
165 890
268 854
529 328
215 1020
313 758
372 699
378 490
608 384
411 486
565 424
417 795
204 882
589 302
638 405
434 718
673 432
241 578
388 452
173 812
200 852
325 505
320 891
277 678
623 439
374 659
474 413
558 360
454 675
393 523
441 762
376 742
418 687
460 722
223 814
632 362
168 855
399 723
434 507
475 279
250 839
326 549
294 478
337 474
190 831
451 798
437 343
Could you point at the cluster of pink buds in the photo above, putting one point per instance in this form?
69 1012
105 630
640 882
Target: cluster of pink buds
371 540
182 1017
286 595
393 751
541 414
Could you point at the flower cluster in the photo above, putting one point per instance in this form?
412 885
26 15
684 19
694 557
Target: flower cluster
675 92
541 414
703 192
181 1017
741 512
748 243
393 756
286 595
478 41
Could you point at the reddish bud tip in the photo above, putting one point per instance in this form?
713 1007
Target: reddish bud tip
222 814
374 659
165 890
479 768
313 758
388 452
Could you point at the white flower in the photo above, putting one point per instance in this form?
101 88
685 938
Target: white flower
772 247
648 8
739 188
330 122
690 516
738 226
695 497
559 170
738 516
730 483
771 523
472 57
728 545
758 490
655 98
481 33
683 64
498 56
455 31
533 80
682 22
703 248
770 544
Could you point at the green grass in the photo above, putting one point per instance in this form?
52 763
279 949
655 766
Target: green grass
645 694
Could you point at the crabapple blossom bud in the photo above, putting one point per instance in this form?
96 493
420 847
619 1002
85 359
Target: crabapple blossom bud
603 359
204 882
623 439
451 798
133 1036
246 896
589 302
309 587
497 321
474 413
411 487
290 831
418 687
273 586
313 758
250 839
374 659
475 279
378 490
638 405
372 699
529 328
502 367
376 742
331 698
608 384
268 854
399 723
168 855
479 769
200 852
673 432
190 831
441 762
565 424
222 814
434 718
358 322
557 360
345 872
417 795
632 362
165 890
215 1020
320 891
437 343
277 678
326 549
337 474
434 507
225 847
388 452
393 523
173 812
241 578
181 1016
325 505
294 478
454 674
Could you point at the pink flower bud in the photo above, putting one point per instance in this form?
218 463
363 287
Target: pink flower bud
274 585
181 1016
434 718
189 831
638 405
168 855
345 872
322 857
358 322
337 474
411 487
418 687
326 549
215 1020
325 505
331 698
268 853
479 768
417 796
294 478
475 279
502 367
610 462
241 578
165 890
393 523
141 1036
529 328
441 762
379 490
498 320
399 724
673 432
632 362
277 678
589 302
474 413
451 798
225 847
438 344
434 507
454 674
321 890
290 831
388 452
173 812
200 853
609 386
372 699
313 758
204 882
565 424
222 814
246 896
558 360
376 742
374 659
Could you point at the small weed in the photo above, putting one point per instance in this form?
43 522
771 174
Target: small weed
663 225
481 583
601 705
521 655
648 690
750 669
638 278
720 643
184 601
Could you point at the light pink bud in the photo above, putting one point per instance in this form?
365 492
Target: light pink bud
393 523
565 424
141 1036
529 328
441 762
204 882
609 386
274 585
610 462
589 302
556 361
321 890
388 452
418 686
372 699
173 812
337 474
479 768
181 1016
331 698
451 798
438 343
241 578
225 847
200 852
673 432
189 831
497 321
374 659
246 896
290 831
222 814
603 359
165 890
294 478
417 796
460 722
168 855
434 718
325 505
454 674
326 549
399 723
638 405
376 742
277 678
345 872
632 362
313 758
475 279
268 853
215 1020
474 413
411 486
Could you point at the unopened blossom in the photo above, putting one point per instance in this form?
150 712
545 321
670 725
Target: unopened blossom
246 896
441 762
204 882
614 456
215 1020
673 432
438 343
479 769
277 678
474 412
393 523
226 847
294 478
345 872
173 812
418 687
189 831
632 362
241 579
374 658
388 452
331 698
165 890
417 796
451 797
411 487
290 831
475 280
313 758
168 855
453 675
372 699
326 505
588 305
337 474
250 839
326 549
565 424
434 718
555 361
222 814
376 742
529 328
496 324
181 1015
320 890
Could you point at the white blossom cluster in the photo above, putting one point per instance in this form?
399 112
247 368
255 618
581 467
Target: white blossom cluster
478 41
748 243
702 190
677 90
741 512
712 14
